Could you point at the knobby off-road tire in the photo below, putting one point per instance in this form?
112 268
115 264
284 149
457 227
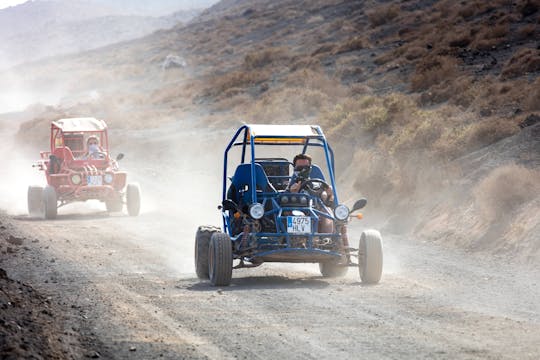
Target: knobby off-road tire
202 243
114 205
370 257
34 200
133 199
220 261
49 202
332 269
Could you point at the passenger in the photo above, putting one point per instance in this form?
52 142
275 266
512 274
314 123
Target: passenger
94 150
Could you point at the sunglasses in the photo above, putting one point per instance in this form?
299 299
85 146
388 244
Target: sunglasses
92 143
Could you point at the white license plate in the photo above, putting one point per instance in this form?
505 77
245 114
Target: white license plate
94 180
298 224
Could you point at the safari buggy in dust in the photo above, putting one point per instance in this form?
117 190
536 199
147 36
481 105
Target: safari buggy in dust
263 221
73 176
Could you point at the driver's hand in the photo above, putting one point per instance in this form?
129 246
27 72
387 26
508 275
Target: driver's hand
295 187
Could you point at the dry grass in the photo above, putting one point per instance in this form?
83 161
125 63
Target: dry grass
352 44
522 62
383 14
433 70
505 189
261 58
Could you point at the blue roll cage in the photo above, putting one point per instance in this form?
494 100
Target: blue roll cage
249 138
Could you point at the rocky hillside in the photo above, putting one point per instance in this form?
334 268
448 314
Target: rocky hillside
408 91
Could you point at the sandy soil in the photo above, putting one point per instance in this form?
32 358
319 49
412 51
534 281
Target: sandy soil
131 290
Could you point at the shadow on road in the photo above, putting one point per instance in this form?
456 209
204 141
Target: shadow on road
257 282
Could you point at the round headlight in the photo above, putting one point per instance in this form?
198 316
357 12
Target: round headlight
108 178
76 179
256 211
293 199
303 200
284 199
341 212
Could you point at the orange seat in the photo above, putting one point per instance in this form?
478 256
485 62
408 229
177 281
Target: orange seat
64 153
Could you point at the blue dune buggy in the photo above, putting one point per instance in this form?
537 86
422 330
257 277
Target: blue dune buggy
263 221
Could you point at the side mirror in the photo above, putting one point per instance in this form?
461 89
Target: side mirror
119 157
359 204
228 205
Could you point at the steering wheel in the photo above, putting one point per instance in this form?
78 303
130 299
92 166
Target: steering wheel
314 186
98 155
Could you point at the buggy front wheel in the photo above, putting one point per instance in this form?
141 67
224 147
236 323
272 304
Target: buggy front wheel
114 204
34 200
370 257
133 199
220 261
202 243
49 202
332 269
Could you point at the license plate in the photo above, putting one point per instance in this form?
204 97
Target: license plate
94 180
298 224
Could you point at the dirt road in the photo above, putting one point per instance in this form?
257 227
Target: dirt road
129 283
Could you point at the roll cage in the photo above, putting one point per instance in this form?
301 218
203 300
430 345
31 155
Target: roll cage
254 171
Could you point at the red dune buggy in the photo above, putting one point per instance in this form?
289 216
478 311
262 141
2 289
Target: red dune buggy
75 174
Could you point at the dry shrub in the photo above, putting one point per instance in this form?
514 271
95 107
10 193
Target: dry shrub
532 99
422 130
460 40
415 52
366 113
288 104
352 44
433 70
527 31
505 189
262 58
384 58
497 31
524 61
383 14
488 131
315 79
236 79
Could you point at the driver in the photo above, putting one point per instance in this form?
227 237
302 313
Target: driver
302 170
94 150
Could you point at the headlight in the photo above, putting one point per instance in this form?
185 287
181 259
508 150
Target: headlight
256 211
303 200
284 200
341 212
108 178
76 179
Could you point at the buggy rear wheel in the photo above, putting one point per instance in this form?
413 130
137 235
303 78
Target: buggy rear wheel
220 261
202 243
370 257
114 205
332 269
133 199
50 202
34 200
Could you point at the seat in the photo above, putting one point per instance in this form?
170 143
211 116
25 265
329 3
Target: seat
60 156
64 153
277 171
240 190
316 173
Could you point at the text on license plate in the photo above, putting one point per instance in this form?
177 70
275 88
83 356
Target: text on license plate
94 180
298 224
